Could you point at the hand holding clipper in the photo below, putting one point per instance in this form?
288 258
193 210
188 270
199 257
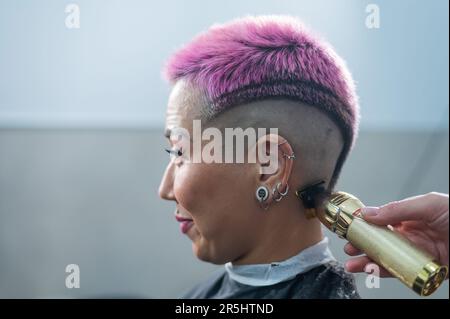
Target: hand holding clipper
400 257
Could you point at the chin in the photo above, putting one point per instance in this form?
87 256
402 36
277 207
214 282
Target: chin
204 254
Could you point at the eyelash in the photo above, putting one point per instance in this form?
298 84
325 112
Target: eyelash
176 152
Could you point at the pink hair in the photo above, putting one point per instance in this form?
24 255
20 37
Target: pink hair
256 58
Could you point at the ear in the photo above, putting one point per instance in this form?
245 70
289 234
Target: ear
274 162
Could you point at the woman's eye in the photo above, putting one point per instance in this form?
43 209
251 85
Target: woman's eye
175 152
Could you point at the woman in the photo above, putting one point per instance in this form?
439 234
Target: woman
245 76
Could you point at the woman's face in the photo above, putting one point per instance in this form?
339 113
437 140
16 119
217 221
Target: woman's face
215 203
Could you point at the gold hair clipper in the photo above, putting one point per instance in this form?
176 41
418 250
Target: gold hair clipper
413 266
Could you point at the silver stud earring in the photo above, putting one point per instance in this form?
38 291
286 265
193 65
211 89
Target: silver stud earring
262 193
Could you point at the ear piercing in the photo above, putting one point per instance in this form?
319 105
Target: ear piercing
280 194
289 157
262 193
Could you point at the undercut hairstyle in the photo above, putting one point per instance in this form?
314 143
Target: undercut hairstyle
265 57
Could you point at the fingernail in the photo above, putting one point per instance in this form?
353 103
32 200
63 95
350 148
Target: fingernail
369 211
346 266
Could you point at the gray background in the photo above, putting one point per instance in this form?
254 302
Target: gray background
81 146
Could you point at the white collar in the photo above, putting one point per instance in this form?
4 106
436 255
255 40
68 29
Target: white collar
273 273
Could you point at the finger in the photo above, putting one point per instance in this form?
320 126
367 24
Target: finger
351 250
357 264
374 269
423 208
365 264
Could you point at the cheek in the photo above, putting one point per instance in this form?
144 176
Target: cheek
212 191
191 186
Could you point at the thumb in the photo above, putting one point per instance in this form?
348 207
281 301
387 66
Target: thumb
384 215
424 208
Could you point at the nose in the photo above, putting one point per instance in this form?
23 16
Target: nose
166 187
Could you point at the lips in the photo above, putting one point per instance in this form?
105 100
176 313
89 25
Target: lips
185 223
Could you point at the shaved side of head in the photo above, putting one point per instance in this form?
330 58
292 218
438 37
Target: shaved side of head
315 139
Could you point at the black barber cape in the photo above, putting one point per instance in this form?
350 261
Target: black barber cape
326 281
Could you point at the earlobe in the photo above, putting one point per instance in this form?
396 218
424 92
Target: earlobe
262 193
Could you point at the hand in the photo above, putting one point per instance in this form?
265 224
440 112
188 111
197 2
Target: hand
422 219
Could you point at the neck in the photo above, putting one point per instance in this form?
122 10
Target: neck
284 235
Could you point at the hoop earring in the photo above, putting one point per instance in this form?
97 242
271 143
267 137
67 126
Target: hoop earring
289 157
281 194
285 192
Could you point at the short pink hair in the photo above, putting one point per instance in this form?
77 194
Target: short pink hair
257 58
